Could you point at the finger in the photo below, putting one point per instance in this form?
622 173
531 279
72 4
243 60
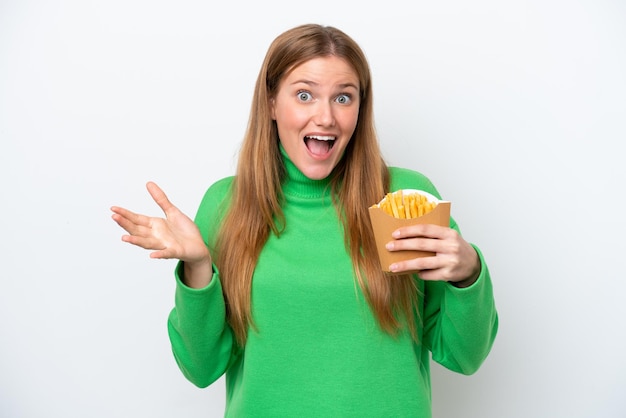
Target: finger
147 243
135 224
431 275
136 218
159 196
121 211
428 268
162 254
415 244
420 230
421 264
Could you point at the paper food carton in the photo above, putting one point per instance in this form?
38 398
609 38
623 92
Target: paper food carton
384 223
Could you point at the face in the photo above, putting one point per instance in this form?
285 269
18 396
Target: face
316 110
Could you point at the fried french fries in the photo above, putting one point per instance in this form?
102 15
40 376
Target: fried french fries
403 205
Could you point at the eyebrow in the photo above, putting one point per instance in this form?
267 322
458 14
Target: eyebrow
313 83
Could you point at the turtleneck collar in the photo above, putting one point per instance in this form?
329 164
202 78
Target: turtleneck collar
297 184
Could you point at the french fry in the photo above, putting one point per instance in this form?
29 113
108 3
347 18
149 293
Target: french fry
394 205
405 205
407 209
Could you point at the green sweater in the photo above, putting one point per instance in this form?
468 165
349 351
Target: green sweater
318 351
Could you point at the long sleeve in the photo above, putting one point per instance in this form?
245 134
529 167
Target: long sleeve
460 325
202 341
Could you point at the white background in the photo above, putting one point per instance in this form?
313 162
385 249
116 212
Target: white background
516 110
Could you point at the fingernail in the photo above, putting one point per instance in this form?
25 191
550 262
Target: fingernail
393 267
389 246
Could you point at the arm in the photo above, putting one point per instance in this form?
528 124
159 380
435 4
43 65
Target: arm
200 337
460 324
202 342
460 318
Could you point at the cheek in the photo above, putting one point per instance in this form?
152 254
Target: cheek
290 118
349 121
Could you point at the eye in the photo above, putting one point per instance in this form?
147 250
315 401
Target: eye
304 96
344 99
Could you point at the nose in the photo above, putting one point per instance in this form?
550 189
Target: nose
324 114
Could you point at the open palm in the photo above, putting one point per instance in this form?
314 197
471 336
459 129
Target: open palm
175 236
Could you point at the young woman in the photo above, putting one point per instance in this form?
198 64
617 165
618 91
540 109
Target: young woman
279 285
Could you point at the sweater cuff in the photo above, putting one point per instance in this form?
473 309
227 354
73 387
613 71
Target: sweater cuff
482 276
180 283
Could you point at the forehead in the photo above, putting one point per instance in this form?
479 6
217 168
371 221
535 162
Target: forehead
323 70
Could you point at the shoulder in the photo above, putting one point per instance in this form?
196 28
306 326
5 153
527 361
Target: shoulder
217 196
404 178
219 190
213 207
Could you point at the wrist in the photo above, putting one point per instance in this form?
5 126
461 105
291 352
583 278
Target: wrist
197 274
474 271
461 284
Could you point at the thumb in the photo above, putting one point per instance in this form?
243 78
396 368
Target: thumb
159 196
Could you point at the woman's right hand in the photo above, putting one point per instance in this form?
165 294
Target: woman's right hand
175 236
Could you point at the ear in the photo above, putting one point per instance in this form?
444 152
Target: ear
273 108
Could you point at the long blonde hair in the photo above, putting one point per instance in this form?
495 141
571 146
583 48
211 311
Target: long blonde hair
361 176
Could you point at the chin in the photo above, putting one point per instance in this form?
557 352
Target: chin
317 173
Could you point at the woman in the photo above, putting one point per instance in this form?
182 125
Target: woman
279 285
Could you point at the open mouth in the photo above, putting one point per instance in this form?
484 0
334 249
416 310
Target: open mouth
319 145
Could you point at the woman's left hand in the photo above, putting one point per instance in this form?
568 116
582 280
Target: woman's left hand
455 260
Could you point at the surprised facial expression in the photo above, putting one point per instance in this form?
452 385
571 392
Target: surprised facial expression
316 110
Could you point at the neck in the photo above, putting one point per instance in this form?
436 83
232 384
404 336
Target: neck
297 184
